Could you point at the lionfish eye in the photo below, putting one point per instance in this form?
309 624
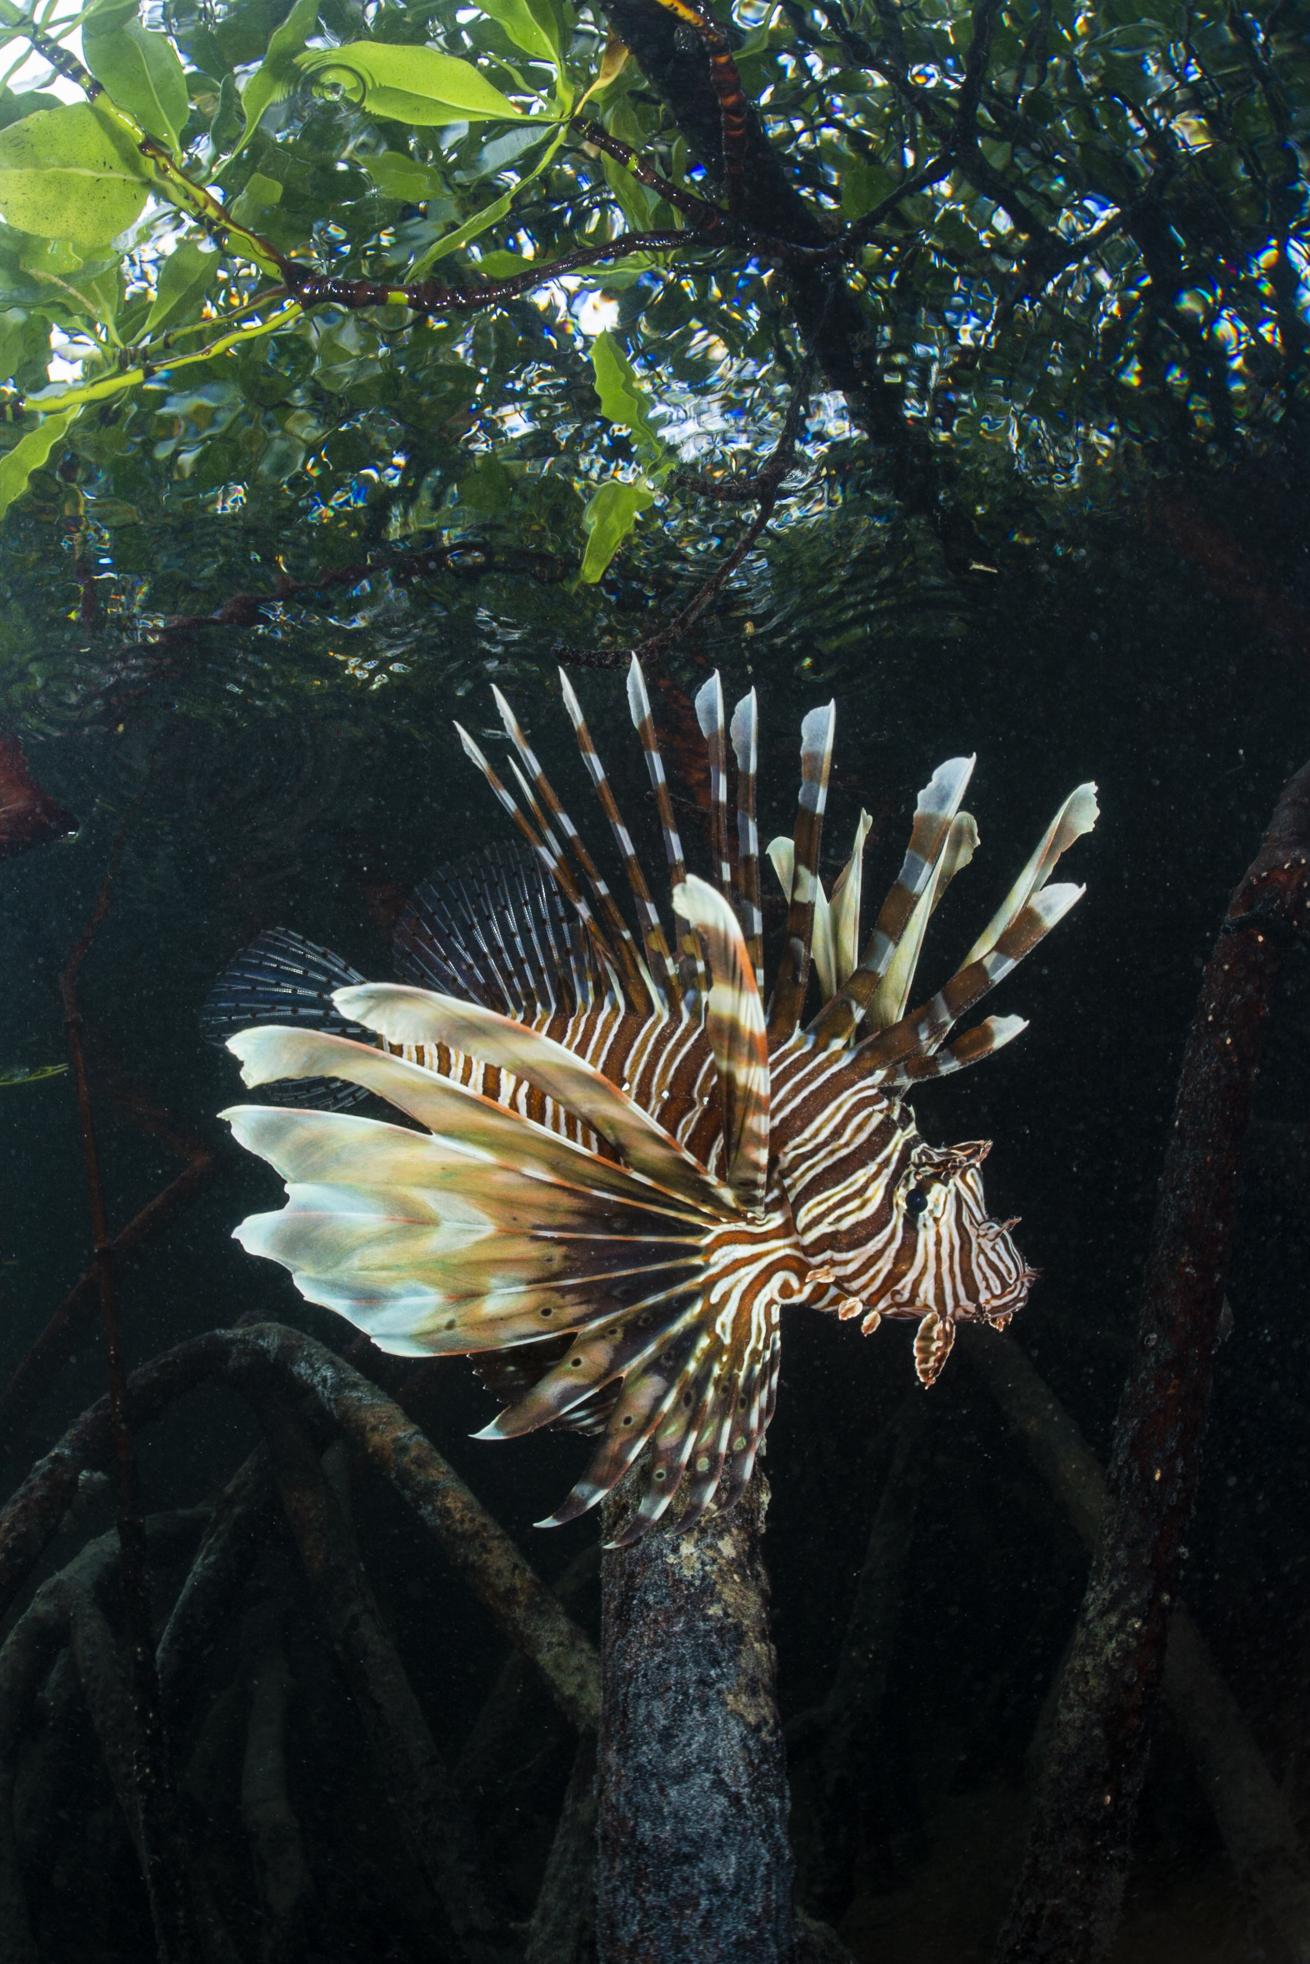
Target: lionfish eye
916 1200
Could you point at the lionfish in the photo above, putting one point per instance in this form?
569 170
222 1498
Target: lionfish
620 1165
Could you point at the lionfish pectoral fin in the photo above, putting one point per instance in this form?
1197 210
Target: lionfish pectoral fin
698 1393
405 1015
283 978
734 1026
489 1232
468 1125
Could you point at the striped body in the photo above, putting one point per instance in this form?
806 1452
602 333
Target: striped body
625 1166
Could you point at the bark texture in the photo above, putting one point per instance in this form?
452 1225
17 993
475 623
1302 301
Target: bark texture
1067 1904
693 1858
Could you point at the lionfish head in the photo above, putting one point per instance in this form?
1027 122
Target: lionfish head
954 1263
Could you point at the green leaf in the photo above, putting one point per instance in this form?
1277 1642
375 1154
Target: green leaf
64 174
225 129
14 105
398 176
610 515
487 489
529 28
261 194
31 1073
503 265
622 397
183 278
411 85
94 291
276 74
483 220
29 454
140 69
863 185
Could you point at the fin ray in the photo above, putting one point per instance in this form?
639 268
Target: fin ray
734 1025
404 1015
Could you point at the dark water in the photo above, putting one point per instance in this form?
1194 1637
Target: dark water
1158 644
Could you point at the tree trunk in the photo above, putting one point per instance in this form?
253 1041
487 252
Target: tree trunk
694 1860
1069 1895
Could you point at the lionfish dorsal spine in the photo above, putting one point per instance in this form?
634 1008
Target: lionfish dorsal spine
926 1027
710 716
818 730
935 808
643 718
744 735
734 1029
659 955
637 982
983 1040
1075 818
837 916
553 863
955 849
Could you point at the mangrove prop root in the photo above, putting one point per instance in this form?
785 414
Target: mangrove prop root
818 1943
693 1858
514 1709
277 1848
26 1656
1250 1810
832 1792
1067 1901
411 1771
563 1928
264 1361
232 1540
